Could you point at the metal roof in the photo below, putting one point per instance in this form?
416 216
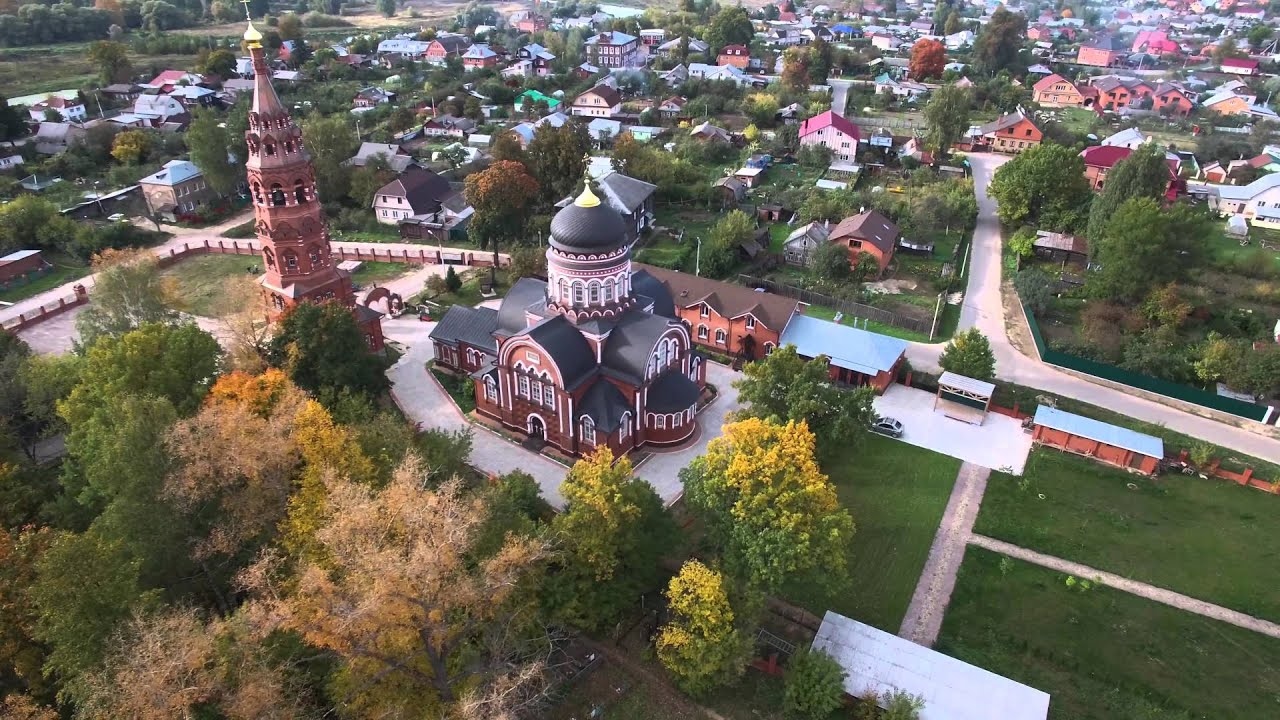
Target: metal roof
849 348
967 384
174 173
878 662
17 255
1113 435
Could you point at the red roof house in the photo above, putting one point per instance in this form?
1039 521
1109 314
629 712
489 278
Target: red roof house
1239 66
1100 159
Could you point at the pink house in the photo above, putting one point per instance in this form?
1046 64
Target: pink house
833 132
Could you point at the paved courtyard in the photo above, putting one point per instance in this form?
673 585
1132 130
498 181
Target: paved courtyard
998 444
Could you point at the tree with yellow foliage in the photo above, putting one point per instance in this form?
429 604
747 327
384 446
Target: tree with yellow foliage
419 622
613 532
700 645
768 507
131 146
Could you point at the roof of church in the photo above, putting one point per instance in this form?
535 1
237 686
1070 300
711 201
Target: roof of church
526 292
568 349
604 404
673 391
473 326
588 225
644 283
632 341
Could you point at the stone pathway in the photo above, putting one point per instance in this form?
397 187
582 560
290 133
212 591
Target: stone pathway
1150 592
924 615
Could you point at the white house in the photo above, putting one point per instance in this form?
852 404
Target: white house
1259 201
70 110
719 72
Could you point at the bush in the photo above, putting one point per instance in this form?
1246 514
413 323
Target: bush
814 686
243 230
452 282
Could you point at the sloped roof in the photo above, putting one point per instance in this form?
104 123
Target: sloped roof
473 326
626 194
1113 435
631 342
728 299
829 119
605 92
604 404
174 173
525 292
1048 82
848 347
420 187
568 349
870 227
1104 156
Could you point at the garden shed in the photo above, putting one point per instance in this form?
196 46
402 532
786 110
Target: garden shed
1104 442
964 398
879 663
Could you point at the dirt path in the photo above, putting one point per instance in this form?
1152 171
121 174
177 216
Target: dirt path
656 682
933 592
1150 592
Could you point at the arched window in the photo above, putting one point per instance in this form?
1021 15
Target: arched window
593 292
663 357
257 193
720 337
299 192
693 369
702 332
768 348
564 290
624 430
608 290
490 389
277 302
578 292
269 257
277 195
588 430
288 147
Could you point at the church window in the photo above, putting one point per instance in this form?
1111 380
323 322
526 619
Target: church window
277 195
299 192
531 356
564 290
578 291
662 422
624 430
270 148
536 394
490 389
608 291
720 337
313 253
257 193
269 257
277 302
523 386
588 430
290 261
549 396
593 292
288 147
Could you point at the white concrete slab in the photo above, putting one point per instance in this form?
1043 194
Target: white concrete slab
999 444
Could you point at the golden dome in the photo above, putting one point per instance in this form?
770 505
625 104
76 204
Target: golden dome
252 36
587 199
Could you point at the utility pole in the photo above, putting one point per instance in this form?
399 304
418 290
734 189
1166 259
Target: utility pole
937 307
697 261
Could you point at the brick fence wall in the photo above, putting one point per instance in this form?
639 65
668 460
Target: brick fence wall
46 311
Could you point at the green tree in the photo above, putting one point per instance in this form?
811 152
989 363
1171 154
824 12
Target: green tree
387 7
700 645
30 220
208 140
613 532
502 197
768 508
785 387
324 352
720 251
969 354
999 45
290 27
112 60
128 292
814 686
1043 186
506 146
730 26
367 180
947 114
1260 36
1143 245
831 262
901 705
220 62
528 262
1036 289
953 24
1144 174
331 143
452 282
12 124
557 157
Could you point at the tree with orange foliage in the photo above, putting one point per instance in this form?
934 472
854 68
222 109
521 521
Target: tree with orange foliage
420 622
502 196
928 57
795 69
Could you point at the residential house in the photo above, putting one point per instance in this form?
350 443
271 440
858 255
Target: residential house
906 89
1231 103
22 264
159 108
1115 93
177 189
1259 201
122 92
653 37
1057 91
730 73
524 131
672 107
726 318
603 131
1010 133
479 57
886 42
169 79
532 98
706 132
1240 66
671 48
415 192
1100 159
1155 42
406 48
448 126
68 110
613 50
1131 138
10 162
531 24
55 137
539 59
804 241
601 101
854 356
1061 248
867 232
834 132
632 198
732 191
192 96
738 56
1170 100
393 155
959 40
372 97
1102 52
676 76
445 46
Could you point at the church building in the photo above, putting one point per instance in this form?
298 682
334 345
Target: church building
593 356
291 226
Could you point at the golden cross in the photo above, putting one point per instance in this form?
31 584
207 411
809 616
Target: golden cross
247 15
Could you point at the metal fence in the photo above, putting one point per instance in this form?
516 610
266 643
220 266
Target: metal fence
1196 396
848 307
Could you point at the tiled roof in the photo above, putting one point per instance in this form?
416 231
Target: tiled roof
1104 156
728 299
870 227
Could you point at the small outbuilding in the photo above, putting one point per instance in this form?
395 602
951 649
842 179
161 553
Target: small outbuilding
1104 442
22 264
964 398
854 356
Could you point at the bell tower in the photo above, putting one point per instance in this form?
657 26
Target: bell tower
290 226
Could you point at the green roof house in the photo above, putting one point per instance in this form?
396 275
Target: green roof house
534 96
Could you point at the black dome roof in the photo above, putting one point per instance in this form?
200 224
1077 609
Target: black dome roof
588 225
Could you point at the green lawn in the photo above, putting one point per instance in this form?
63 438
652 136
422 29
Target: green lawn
64 271
379 272
664 252
826 313
201 280
896 493
1210 539
1103 654
49 68
468 295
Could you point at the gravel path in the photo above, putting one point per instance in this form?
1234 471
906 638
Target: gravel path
933 592
1150 592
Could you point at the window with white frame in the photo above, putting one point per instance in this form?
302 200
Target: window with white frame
720 336
522 387
535 393
624 430
751 323
578 293
549 396
593 292
531 356
704 311
703 332
490 389
588 430
662 422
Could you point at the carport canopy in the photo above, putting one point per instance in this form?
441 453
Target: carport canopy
964 398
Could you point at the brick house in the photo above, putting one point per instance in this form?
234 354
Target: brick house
1100 159
21 263
1011 133
478 57
738 56
1171 101
177 189
415 192
854 356
726 318
445 46
868 232
834 132
601 101
1115 93
532 24
613 50
1102 52
1057 91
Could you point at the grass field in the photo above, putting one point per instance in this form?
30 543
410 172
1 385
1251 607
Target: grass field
1103 654
64 271
896 493
379 272
47 68
1209 539
826 313
201 280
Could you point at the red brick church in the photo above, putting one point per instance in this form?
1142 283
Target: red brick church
291 226
593 356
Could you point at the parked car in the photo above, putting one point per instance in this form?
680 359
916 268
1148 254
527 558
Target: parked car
886 426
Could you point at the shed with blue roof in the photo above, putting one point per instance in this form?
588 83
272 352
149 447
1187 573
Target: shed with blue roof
1104 442
856 356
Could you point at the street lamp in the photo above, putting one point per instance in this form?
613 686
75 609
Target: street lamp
697 260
